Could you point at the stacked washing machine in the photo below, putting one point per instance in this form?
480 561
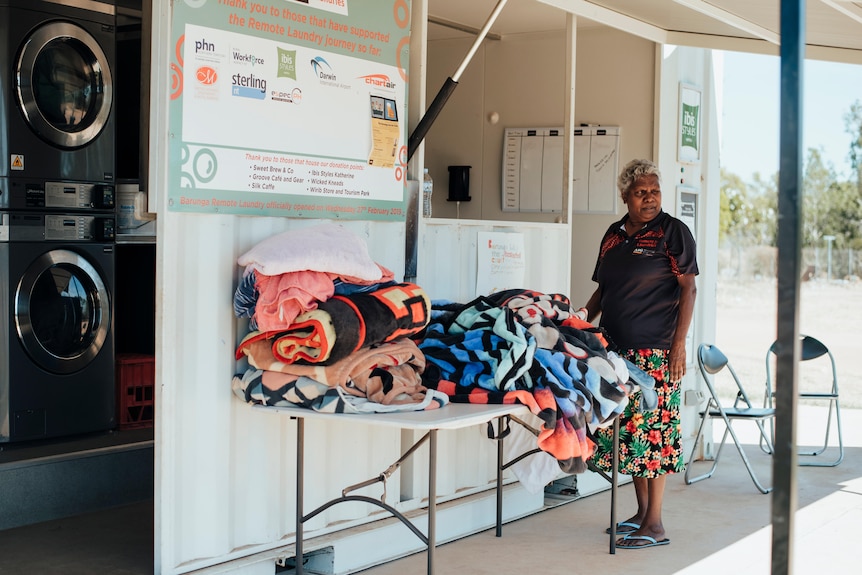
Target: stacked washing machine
57 222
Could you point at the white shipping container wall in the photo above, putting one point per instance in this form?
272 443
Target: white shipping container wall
230 467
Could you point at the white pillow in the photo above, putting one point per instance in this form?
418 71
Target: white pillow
325 247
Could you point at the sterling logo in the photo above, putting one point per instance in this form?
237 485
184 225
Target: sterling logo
206 75
322 69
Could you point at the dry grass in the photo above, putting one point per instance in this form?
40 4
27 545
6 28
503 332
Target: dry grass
829 311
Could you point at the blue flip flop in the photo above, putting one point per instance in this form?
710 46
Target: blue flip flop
633 527
650 542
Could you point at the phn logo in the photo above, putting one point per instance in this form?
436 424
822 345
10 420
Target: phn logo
204 46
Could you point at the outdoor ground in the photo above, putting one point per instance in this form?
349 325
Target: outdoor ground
829 311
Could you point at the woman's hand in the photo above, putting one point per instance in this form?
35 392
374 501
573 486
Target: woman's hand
677 362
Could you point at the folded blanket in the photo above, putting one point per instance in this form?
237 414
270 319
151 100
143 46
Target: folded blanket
379 378
255 386
284 297
344 324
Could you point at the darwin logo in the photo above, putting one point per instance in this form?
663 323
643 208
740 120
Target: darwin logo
322 69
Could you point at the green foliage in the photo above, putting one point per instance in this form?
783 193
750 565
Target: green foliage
749 210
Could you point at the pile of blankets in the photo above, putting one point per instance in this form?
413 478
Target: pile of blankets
528 347
329 328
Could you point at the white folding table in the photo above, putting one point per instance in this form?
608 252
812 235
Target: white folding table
450 417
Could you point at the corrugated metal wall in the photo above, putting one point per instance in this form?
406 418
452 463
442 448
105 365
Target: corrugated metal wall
225 469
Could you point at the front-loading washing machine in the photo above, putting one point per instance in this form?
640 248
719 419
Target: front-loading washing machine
56 325
57 60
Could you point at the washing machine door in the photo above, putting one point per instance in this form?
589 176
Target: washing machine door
62 311
64 85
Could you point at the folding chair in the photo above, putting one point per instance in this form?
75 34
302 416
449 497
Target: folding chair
811 349
712 361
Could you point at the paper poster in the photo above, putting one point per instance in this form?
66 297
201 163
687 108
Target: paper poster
501 263
290 108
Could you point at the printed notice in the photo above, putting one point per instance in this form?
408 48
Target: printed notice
385 132
501 263
290 110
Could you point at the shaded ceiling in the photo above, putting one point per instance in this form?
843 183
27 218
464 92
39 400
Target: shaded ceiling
833 27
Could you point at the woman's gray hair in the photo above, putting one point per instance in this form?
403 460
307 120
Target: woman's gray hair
634 170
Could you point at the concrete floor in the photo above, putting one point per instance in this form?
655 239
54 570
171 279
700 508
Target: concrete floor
720 525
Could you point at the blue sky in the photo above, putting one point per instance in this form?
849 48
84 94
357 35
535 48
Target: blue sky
749 119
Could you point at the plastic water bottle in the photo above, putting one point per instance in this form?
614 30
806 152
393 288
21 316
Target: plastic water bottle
427 190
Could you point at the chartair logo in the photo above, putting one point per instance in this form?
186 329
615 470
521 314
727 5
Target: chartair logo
322 69
378 80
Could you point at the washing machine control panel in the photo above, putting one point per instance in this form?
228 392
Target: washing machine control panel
74 195
16 227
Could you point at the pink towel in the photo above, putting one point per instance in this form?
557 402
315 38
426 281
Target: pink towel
285 296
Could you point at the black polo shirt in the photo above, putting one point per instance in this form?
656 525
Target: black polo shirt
638 280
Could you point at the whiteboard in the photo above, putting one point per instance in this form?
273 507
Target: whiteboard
533 170
604 146
533 160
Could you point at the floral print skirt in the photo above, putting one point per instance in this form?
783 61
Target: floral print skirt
650 441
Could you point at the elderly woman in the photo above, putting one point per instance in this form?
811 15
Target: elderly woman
646 289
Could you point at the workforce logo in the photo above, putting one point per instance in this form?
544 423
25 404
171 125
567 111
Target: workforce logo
322 69
246 58
287 64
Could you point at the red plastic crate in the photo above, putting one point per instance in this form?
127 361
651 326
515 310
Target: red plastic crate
136 390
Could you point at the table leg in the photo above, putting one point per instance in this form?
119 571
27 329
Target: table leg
300 457
432 499
499 478
615 463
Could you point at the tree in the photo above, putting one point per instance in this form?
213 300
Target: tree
853 126
748 211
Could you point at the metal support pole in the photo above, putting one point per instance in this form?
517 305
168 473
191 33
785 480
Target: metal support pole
449 86
499 530
432 500
829 240
784 496
300 491
615 463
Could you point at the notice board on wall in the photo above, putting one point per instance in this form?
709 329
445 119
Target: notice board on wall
293 109
533 169
596 168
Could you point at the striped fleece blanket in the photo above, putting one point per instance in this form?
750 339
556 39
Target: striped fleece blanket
528 347
342 325
380 378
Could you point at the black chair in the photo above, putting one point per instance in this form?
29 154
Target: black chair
812 349
712 361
